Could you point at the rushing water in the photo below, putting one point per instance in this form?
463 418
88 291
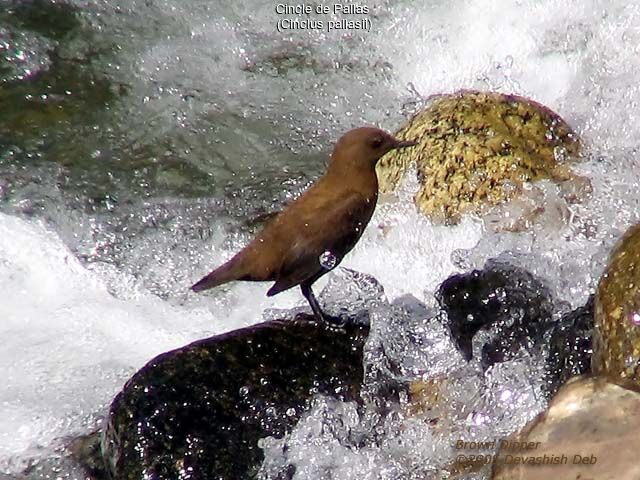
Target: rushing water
140 140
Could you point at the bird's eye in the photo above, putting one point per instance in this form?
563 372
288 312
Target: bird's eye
377 142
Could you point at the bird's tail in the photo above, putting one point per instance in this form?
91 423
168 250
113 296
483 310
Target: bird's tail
223 274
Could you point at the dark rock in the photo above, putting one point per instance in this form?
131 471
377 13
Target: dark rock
198 412
570 347
508 300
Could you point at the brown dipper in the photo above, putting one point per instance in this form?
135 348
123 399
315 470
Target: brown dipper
313 234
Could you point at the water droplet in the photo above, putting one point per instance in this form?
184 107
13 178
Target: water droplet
328 260
560 154
634 317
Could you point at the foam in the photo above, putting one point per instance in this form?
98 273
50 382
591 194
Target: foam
69 343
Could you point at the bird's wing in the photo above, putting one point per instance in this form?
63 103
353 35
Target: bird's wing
334 227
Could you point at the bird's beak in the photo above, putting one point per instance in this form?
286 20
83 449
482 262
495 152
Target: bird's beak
404 144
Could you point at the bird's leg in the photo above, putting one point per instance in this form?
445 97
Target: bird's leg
315 306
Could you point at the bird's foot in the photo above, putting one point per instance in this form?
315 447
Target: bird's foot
333 320
326 320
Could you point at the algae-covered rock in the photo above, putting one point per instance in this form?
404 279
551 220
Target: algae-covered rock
616 349
478 149
199 411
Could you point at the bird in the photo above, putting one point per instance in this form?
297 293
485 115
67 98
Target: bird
311 236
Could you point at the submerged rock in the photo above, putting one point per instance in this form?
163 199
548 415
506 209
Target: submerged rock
478 149
198 412
617 312
47 82
510 301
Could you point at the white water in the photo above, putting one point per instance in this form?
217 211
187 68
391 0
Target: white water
72 335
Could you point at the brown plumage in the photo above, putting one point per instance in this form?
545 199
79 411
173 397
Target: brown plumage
329 217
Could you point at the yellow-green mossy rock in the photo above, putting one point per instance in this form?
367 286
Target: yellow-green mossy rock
477 150
616 342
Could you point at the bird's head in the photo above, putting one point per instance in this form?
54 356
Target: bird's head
361 148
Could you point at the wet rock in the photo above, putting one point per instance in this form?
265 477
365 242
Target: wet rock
616 341
478 150
590 431
570 347
508 302
199 411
